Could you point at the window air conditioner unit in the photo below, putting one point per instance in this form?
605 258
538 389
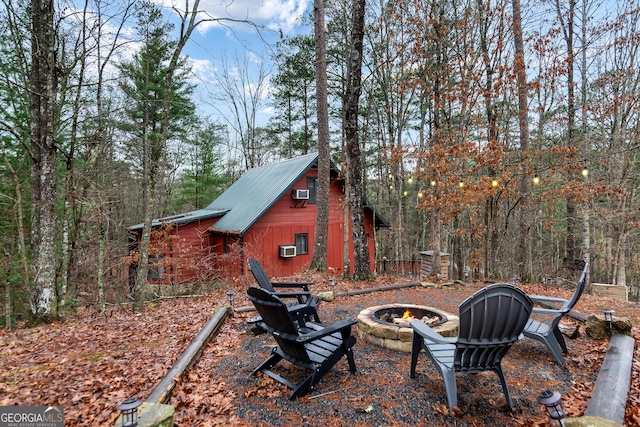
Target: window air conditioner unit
287 251
300 194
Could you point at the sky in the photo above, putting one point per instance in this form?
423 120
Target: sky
214 44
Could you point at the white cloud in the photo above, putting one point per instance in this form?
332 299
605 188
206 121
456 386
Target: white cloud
278 15
203 70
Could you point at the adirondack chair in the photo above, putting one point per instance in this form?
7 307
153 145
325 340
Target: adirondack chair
305 305
309 346
548 332
491 320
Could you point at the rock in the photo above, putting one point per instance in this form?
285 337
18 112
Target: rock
590 422
153 415
326 296
597 328
429 284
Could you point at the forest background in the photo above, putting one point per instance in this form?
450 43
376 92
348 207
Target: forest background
505 134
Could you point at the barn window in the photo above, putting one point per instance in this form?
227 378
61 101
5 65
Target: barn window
302 240
156 269
312 186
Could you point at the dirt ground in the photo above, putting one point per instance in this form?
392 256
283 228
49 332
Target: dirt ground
89 364
381 393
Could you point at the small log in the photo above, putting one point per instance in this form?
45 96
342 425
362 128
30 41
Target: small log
609 396
162 392
378 289
569 331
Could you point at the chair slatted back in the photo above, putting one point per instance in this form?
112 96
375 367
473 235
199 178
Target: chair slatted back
574 298
491 320
579 289
260 275
276 317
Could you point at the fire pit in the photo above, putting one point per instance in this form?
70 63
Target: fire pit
388 325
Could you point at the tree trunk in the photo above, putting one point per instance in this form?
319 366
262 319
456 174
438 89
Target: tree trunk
320 240
436 244
44 161
523 256
101 251
361 267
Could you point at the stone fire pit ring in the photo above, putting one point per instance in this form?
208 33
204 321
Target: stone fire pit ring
398 336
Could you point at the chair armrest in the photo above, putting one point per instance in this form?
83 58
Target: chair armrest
426 332
292 294
302 285
542 298
539 310
336 327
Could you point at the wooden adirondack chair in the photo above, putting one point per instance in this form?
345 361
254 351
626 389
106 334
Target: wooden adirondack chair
548 332
491 320
305 305
311 346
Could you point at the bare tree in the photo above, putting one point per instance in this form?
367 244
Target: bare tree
238 100
524 252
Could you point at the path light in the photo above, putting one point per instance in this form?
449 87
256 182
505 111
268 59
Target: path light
333 286
129 409
552 401
585 170
230 295
536 179
608 317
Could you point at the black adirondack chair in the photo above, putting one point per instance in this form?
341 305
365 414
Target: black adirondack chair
491 320
305 306
548 332
309 346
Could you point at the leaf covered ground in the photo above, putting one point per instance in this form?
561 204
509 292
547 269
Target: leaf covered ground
90 363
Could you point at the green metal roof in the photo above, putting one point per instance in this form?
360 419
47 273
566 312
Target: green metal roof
256 191
252 195
183 218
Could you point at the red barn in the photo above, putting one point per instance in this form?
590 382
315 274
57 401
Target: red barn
268 214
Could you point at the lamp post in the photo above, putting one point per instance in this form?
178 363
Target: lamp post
608 317
129 409
552 400
230 295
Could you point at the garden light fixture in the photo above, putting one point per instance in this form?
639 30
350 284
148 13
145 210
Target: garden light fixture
608 317
230 295
552 400
129 409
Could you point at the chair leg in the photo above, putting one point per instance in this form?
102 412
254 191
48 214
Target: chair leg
269 363
449 377
305 386
350 359
554 347
505 389
560 339
416 347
